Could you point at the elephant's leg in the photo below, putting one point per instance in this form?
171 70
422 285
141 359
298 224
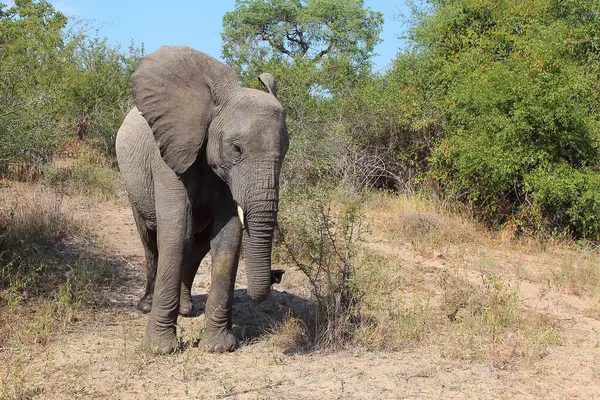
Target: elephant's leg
151 250
225 252
175 244
190 267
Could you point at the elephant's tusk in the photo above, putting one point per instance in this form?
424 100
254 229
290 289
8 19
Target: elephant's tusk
241 215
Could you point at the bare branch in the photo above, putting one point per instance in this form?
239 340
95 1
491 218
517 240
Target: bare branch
323 52
265 37
298 37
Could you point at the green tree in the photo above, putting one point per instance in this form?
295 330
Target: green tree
517 84
100 89
57 83
293 30
32 61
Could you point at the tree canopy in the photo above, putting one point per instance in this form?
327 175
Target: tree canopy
290 31
56 81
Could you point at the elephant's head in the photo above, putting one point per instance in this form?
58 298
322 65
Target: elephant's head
193 102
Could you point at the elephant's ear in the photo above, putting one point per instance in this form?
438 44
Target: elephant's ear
177 88
269 81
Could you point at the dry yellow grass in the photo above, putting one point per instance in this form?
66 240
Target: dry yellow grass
51 265
460 313
424 222
399 296
89 172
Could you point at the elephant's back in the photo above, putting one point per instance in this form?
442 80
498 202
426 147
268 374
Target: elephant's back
136 151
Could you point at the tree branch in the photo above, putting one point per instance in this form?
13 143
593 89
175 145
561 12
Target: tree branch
298 38
319 56
265 37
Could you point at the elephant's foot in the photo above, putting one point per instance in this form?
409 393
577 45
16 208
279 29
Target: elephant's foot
145 304
185 304
161 342
218 342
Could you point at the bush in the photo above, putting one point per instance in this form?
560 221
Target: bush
57 83
565 198
31 63
100 90
516 84
323 244
91 173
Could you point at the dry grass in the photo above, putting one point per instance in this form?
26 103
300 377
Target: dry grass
52 270
425 223
392 302
575 271
51 266
486 321
461 321
436 228
291 333
89 172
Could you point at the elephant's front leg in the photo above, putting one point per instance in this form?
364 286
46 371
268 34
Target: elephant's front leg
225 253
175 245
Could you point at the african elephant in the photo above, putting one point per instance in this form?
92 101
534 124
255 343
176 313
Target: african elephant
200 159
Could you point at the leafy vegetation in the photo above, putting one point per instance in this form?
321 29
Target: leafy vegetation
495 104
57 83
517 84
319 32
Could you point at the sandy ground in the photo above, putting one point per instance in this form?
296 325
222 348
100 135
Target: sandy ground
99 356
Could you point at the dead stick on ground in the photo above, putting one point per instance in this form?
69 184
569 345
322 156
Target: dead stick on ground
78 349
269 386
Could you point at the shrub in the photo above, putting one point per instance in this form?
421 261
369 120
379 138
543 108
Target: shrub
56 82
323 244
516 84
566 198
91 173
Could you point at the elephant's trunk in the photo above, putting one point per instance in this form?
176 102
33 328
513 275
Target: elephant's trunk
258 238
260 202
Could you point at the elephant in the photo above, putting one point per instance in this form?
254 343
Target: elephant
200 159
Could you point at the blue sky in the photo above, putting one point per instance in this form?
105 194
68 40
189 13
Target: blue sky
197 23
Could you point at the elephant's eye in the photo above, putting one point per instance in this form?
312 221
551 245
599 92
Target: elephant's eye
237 149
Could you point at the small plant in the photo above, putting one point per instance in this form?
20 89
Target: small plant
322 241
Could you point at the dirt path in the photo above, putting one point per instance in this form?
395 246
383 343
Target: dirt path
99 358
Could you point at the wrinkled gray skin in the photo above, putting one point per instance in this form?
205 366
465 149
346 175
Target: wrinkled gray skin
194 148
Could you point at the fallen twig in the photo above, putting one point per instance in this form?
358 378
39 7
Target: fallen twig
78 349
269 386
422 374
